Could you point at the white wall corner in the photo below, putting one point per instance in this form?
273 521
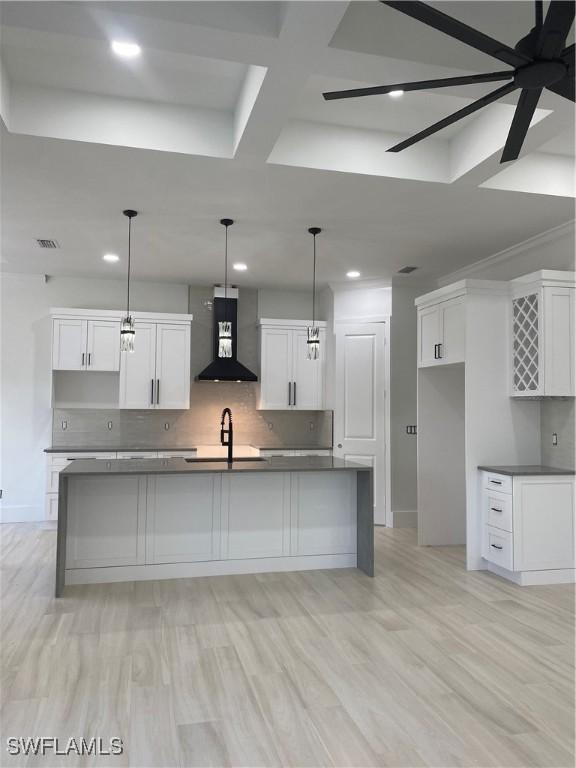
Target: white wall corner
4 95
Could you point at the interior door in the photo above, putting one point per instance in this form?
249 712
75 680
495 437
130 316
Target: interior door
138 369
69 345
428 335
276 369
360 398
103 345
172 366
307 375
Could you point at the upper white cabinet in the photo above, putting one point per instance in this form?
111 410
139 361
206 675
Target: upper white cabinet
85 344
441 333
543 334
157 373
288 379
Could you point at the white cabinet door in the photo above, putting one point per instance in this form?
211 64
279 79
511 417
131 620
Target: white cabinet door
103 347
428 336
106 520
452 331
559 341
543 522
172 366
69 345
138 369
307 375
276 369
255 515
183 518
323 519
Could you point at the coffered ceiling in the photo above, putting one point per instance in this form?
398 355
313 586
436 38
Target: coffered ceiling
222 115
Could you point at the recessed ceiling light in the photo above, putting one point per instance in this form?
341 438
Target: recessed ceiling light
396 94
126 50
353 273
240 266
111 257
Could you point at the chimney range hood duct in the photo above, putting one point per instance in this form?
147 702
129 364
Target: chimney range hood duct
225 368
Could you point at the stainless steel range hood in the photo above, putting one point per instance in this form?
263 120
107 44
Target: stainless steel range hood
225 368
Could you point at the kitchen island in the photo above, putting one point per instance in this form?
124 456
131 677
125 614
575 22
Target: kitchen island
129 520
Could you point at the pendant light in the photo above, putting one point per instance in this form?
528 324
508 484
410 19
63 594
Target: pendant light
225 326
313 330
127 332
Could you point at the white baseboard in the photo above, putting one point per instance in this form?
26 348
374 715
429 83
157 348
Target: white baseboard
207 568
405 518
19 513
534 578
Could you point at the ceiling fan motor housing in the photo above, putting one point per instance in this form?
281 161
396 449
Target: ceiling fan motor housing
540 74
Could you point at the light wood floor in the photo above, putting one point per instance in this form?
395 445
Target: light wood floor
425 665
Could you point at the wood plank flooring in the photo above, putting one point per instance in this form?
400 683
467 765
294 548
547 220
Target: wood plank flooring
424 665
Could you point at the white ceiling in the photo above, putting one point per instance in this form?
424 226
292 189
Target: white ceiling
223 116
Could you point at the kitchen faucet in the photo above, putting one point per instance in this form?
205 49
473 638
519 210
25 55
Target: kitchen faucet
229 440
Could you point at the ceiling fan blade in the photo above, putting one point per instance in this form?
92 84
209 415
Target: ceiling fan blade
565 87
459 31
525 108
455 116
420 85
554 32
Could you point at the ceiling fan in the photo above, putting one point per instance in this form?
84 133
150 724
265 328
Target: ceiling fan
540 60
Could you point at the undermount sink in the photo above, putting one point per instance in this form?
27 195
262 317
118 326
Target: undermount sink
225 461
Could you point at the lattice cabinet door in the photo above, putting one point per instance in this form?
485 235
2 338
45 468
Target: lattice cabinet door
526 346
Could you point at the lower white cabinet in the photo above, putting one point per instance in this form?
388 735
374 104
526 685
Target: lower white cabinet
529 525
323 518
106 521
182 518
128 520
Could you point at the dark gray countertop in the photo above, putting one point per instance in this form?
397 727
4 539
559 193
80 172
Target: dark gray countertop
526 470
182 467
111 449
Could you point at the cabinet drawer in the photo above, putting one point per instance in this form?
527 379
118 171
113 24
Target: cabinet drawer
498 510
137 455
498 547
176 454
495 482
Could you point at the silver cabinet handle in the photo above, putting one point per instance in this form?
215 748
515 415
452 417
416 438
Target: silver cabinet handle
151 391
83 358
157 391
289 393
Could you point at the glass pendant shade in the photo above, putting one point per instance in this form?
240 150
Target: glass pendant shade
127 334
313 342
225 339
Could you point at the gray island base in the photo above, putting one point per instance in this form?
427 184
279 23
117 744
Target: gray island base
130 520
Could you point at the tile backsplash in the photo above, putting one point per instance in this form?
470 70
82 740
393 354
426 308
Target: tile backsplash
198 425
557 416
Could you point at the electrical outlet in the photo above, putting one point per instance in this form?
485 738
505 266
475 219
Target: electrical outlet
411 429
270 426
64 425
312 426
166 425
554 438
110 425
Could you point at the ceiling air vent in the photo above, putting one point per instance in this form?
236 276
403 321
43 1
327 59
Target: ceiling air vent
407 270
47 243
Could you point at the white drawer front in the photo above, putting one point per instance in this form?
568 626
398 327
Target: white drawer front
498 510
176 454
137 455
498 547
68 457
494 482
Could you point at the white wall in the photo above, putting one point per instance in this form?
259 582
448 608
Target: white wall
26 426
288 305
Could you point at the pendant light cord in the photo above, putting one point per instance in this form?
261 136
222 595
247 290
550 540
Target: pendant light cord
226 264
129 254
314 286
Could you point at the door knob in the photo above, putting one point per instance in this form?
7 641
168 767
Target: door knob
339 445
